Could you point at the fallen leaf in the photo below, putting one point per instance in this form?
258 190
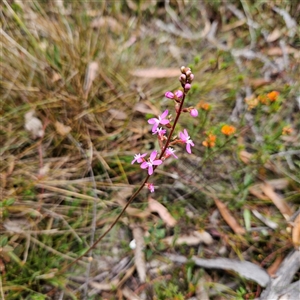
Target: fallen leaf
109 22
243 268
277 200
156 73
157 207
90 75
129 294
258 82
274 267
229 219
139 254
245 157
117 114
62 129
194 239
33 125
274 35
296 232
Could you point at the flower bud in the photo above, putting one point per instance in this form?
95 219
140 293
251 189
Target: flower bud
179 94
182 78
182 69
169 95
187 87
188 73
194 112
191 78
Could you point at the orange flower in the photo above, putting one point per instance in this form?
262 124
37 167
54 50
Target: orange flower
210 141
287 130
273 96
228 130
203 106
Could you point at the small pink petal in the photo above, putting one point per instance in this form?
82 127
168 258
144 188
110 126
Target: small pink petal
188 148
144 165
150 170
164 114
157 162
152 121
153 155
164 122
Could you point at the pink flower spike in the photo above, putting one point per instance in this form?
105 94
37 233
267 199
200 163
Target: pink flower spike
169 95
150 186
185 138
160 120
170 151
138 158
179 94
152 162
194 112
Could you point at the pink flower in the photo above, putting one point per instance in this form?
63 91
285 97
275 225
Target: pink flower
160 132
170 151
152 162
139 158
179 94
160 120
169 95
194 112
150 187
185 138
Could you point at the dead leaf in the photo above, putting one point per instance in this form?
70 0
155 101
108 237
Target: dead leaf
277 200
62 129
129 294
229 219
194 239
274 35
90 75
109 22
157 207
243 268
274 267
156 73
33 125
120 198
139 254
245 157
143 108
258 82
257 192
117 114
296 232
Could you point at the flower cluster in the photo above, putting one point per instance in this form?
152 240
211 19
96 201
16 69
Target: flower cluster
164 120
265 99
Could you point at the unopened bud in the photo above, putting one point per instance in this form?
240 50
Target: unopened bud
177 106
188 73
194 112
182 78
182 69
187 87
191 78
169 95
179 94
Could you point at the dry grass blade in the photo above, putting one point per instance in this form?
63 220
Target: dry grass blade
227 216
195 238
